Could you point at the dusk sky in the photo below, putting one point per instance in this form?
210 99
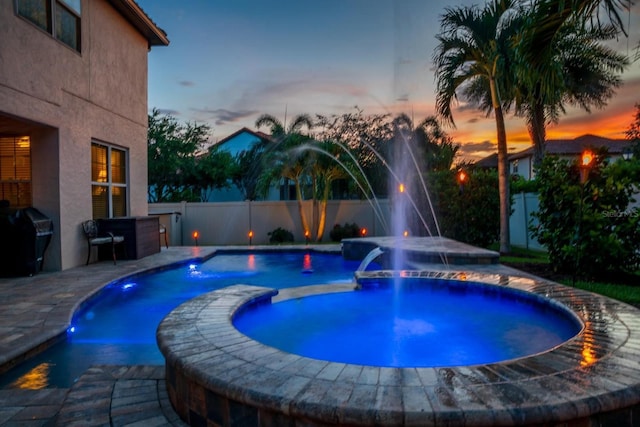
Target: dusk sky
231 61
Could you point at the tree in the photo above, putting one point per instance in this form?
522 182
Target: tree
367 137
584 218
633 133
329 162
284 157
474 45
429 141
248 167
585 74
213 170
176 171
171 148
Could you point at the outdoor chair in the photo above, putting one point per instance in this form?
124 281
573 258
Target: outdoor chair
90 228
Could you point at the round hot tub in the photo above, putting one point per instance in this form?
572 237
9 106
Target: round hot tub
412 322
217 374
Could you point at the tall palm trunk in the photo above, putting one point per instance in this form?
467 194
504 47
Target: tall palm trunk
536 127
503 170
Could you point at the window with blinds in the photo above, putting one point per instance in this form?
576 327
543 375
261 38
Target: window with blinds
15 171
108 181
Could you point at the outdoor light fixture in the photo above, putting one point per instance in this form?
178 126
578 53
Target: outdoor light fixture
363 232
307 236
401 188
406 233
195 237
462 177
585 164
250 236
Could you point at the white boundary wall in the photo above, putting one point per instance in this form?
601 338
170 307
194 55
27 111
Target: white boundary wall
228 223
523 205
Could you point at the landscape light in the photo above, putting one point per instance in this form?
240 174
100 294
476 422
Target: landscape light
586 160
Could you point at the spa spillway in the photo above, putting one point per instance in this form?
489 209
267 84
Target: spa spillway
217 374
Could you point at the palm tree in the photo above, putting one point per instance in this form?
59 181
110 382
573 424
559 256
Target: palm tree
536 47
474 45
283 158
586 68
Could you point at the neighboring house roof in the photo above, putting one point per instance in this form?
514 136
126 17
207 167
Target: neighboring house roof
141 22
489 162
257 134
576 146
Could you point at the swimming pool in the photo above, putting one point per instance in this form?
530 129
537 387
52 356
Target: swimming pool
119 325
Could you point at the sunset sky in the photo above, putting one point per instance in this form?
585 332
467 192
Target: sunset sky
231 61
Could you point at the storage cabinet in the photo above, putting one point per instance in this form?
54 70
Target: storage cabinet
140 236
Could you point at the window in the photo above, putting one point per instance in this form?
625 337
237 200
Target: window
60 18
514 167
15 171
108 181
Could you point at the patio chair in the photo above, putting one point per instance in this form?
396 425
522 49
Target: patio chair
90 228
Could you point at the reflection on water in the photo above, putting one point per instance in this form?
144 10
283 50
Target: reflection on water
36 379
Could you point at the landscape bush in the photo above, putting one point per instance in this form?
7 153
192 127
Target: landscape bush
280 235
588 226
348 230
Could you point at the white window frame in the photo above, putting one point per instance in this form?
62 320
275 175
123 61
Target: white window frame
109 184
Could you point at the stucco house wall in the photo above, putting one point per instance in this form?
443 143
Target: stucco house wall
64 100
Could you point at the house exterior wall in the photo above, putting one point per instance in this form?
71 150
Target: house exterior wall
65 100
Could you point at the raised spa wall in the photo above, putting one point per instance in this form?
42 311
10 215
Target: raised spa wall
217 376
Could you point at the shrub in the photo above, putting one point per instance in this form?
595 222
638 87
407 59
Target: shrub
345 231
280 235
469 213
588 227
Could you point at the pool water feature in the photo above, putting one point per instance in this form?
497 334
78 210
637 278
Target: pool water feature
427 323
118 326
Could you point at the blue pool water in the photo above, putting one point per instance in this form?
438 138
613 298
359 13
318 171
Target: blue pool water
119 326
431 324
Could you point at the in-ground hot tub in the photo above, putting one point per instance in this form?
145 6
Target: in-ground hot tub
215 373
414 323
